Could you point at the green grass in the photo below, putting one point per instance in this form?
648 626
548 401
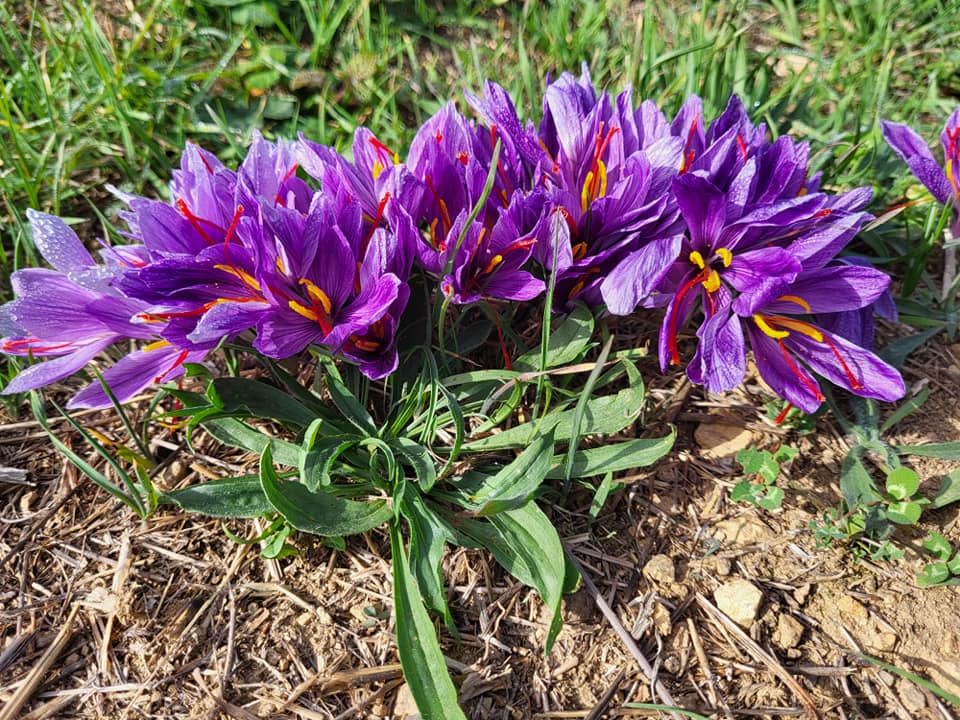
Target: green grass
96 98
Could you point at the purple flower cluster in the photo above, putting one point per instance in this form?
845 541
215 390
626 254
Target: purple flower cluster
623 207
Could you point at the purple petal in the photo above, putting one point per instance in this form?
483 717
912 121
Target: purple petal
914 151
787 378
702 205
638 274
831 289
226 319
281 333
50 371
58 244
508 284
722 351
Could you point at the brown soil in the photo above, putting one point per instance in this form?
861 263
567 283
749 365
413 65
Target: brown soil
175 620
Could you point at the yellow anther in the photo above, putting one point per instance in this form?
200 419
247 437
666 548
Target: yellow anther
801 327
157 344
585 195
726 256
377 169
712 282
579 251
303 310
366 345
602 172
245 277
280 265
697 259
761 322
796 300
317 295
494 261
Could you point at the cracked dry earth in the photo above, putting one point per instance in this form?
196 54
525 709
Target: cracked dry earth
738 612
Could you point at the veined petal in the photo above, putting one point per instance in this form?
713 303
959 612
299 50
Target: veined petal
914 151
702 205
226 319
830 289
58 244
50 371
722 352
791 382
635 277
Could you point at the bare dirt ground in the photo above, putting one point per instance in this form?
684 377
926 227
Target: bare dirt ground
105 616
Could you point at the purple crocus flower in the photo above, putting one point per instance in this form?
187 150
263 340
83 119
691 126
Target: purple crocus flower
787 345
329 279
941 181
71 313
607 169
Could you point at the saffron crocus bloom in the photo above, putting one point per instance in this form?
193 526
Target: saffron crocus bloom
787 343
330 280
72 313
607 169
942 181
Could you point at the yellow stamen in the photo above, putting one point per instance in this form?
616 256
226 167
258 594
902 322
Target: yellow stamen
157 344
801 327
303 310
243 275
494 261
602 172
761 322
585 197
318 295
579 251
712 283
377 169
697 259
726 256
280 265
795 299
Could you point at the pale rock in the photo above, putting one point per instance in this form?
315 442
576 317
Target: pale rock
405 707
660 569
911 696
739 600
744 530
878 639
788 632
850 609
723 566
722 440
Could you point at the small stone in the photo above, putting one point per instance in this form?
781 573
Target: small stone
405 707
848 608
660 569
788 632
911 696
802 593
722 440
723 566
877 639
739 600
744 530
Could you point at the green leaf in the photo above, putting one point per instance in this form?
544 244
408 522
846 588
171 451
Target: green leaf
944 451
746 491
785 454
347 403
772 499
759 462
257 399
566 345
428 535
530 550
419 458
601 494
933 574
275 546
949 491
581 406
603 415
902 483
897 351
904 512
938 546
910 405
514 484
856 485
613 457
423 664
237 497
954 565
234 433
320 513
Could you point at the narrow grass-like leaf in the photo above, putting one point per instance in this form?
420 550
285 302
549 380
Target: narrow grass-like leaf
565 345
320 513
911 405
237 497
515 483
943 451
348 405
949 491
234 433
614 457
428 535
916 679
856 485
418 457
423 664
239 395
578 412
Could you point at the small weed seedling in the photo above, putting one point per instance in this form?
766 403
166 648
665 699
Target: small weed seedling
946 569
765 467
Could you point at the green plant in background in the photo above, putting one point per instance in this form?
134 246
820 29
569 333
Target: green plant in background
946 569
767 467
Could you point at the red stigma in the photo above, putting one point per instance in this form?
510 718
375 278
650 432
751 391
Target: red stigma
672 325
176 363
814 390
195 221
463 157
689 153
743 147
783 414
854 383
230 230
374 225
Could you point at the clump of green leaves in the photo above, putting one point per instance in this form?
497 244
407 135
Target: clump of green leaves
946 569
764 468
